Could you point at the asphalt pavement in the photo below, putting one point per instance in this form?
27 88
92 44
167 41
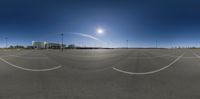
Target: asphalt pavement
100 74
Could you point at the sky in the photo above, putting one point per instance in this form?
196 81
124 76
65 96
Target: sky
142 22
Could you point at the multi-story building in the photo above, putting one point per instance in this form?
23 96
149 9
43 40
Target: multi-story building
43 45
38 45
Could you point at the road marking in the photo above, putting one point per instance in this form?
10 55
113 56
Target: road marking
150 72
197 56
28 69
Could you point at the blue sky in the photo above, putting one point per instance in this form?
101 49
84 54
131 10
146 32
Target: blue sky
142 22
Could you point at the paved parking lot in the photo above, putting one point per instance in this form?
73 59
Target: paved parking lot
100 74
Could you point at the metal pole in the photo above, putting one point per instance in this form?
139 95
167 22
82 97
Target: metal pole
62 41
127 44
156 44
6 42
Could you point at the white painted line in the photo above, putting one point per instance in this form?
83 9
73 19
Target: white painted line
197 56
189 57
150 72
28 69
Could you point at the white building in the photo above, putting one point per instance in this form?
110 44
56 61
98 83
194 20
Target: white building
43 45
38 45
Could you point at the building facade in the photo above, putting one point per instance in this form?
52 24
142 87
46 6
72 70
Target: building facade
46 45
38 45
52 45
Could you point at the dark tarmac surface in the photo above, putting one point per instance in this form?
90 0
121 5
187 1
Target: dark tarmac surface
89 74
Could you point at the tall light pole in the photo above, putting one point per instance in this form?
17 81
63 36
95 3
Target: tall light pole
62 41
6 42
127 44
156 44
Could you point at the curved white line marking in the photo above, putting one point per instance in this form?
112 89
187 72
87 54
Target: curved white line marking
150 72
28 69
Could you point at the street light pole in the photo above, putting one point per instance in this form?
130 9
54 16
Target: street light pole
127 44
156 44
62 41
6 42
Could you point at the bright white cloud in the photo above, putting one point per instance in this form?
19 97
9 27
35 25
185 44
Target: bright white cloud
87 36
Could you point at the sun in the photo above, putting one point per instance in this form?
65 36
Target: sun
100 31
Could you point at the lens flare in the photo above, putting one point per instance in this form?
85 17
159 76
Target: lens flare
100 31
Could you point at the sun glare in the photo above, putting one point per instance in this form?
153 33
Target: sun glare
100 31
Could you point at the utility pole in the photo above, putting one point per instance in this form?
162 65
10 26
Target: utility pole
62 41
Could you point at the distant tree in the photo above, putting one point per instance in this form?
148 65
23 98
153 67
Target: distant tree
30 47
71 46
11 47
19 46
